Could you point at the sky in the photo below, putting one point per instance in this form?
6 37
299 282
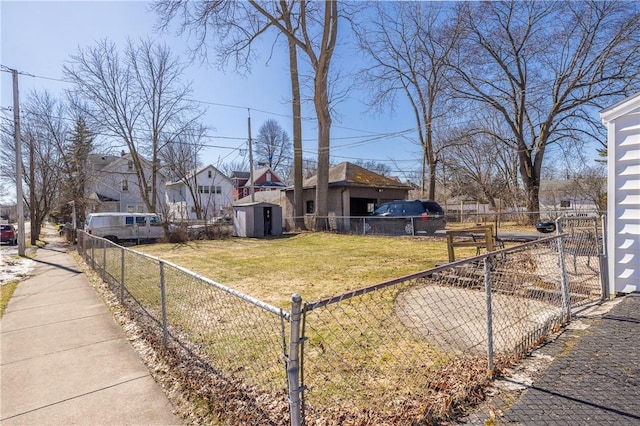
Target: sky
37 37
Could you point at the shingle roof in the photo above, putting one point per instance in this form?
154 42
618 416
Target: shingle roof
349 174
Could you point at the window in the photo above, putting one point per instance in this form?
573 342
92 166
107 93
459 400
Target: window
140 220
565 203
218 190
204 189
131 209
125 185
148 188
310 206
128 220
268 176
209 174
130 165
155 221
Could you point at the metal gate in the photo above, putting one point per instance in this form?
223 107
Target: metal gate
585 248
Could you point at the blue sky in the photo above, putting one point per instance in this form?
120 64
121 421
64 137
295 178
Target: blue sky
39 36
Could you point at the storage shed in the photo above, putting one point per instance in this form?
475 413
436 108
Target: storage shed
258 219
623 209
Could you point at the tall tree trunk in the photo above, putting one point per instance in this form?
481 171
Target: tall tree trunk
298 200
321 102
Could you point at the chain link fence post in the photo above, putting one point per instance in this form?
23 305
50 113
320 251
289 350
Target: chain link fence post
163 298
487 289
93 257
604 261
293 362
564 283
104 260
122 275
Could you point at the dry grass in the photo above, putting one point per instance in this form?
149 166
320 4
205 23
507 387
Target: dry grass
355 353
314 265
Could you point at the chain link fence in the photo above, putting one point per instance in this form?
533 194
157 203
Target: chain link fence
228 347
585 250
413 349
406 351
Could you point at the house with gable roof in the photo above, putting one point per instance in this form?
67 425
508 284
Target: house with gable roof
113 185
264 179
353 191
206 189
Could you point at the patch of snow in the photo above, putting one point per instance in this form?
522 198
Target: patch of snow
13 267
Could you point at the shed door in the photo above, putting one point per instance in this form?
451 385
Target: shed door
267 214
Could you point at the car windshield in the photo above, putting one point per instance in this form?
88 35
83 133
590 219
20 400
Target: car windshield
381 210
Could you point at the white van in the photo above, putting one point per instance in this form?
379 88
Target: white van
117 227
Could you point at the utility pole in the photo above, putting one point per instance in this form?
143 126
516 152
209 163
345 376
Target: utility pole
16 136
251 188
32 194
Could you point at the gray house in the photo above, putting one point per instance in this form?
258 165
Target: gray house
623 210
113 185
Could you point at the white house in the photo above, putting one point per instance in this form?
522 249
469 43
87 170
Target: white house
113 186
562 197
206 187
623 209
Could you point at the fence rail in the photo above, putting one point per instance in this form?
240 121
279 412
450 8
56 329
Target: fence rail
404 351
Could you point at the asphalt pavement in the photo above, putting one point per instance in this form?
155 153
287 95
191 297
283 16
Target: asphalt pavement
65 360
588 375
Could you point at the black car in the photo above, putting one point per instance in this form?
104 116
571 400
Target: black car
545 227
410 217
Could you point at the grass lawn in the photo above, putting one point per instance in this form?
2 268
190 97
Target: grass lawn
315 265
356 352
6 291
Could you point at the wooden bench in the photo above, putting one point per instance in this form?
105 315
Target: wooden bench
479 237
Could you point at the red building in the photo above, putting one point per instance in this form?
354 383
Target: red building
263 180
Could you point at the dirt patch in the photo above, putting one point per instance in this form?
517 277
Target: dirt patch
455 319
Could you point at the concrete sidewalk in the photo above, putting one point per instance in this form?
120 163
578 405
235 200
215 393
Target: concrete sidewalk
64 358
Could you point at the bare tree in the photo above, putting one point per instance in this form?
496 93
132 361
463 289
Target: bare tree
44 132
480 170
410 43
272 147
180 156
137 96
311 27
316 36
592 183
544 67
235 28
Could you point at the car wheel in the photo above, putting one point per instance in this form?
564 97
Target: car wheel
408 228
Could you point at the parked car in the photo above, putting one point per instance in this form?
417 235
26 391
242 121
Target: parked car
410 217
118 227
545 227
8 234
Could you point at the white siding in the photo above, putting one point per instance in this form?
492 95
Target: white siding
215 197
623 123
